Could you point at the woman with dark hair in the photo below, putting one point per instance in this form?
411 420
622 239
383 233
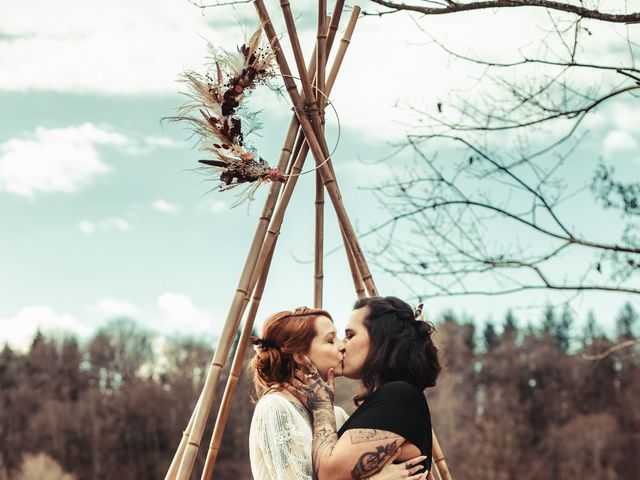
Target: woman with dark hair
388 347
280 435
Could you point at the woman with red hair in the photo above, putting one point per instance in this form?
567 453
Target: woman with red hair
281 428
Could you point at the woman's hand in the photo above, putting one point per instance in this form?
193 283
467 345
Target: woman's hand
308 387
410 469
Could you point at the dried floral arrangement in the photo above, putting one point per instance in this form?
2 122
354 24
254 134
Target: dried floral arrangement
217 98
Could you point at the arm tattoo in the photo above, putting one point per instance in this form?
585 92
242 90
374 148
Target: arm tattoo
324 436
318 394
361 435
371 462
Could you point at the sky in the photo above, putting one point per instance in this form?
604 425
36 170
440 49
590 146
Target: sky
102 215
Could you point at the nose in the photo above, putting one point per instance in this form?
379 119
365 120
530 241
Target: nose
342 346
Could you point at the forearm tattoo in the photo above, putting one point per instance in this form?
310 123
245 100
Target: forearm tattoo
367 435
324 435
371 462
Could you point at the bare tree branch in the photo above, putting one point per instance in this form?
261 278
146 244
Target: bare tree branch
610 350
455 7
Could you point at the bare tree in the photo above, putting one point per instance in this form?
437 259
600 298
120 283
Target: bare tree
486 207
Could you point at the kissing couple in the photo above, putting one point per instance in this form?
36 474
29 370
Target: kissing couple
297 433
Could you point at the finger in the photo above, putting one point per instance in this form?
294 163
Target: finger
294 391
415 460
308 364
430 476
416 469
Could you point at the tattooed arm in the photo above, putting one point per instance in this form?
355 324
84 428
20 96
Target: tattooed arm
358 454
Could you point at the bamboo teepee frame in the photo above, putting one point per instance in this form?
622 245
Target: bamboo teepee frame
306 133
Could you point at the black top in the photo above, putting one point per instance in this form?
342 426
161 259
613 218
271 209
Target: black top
397 407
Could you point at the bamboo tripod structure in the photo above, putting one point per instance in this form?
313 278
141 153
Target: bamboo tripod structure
306 133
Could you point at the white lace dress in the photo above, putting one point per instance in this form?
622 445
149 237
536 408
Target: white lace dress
280 439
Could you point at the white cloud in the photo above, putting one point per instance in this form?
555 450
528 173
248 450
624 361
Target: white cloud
55 160
179 313
390 60
212 205
164 206
162 142
120 47
19 331
112 308
105 225
619 141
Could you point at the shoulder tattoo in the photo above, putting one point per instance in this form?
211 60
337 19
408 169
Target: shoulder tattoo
361 435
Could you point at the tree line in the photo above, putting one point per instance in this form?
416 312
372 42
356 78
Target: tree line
514 402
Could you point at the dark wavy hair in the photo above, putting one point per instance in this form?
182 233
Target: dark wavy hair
400 348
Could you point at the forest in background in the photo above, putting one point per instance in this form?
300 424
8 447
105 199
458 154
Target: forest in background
514 402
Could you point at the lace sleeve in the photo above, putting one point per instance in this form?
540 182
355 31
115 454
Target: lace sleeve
281 438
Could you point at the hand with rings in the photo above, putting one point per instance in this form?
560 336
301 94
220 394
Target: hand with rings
309 387
411 469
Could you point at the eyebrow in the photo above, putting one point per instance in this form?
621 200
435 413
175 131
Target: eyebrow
330 333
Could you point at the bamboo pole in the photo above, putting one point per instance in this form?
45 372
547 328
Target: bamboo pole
318 263
315 147
234 375
175 463
233 318
319 198
321 52
438 459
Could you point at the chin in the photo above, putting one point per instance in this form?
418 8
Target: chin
348 374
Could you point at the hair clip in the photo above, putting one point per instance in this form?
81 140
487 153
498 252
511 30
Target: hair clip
417 313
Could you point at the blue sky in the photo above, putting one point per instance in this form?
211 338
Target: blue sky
102 216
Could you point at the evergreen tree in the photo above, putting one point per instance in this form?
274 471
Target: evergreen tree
626 322
590 330
562 332
549 320
491 339
510 327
